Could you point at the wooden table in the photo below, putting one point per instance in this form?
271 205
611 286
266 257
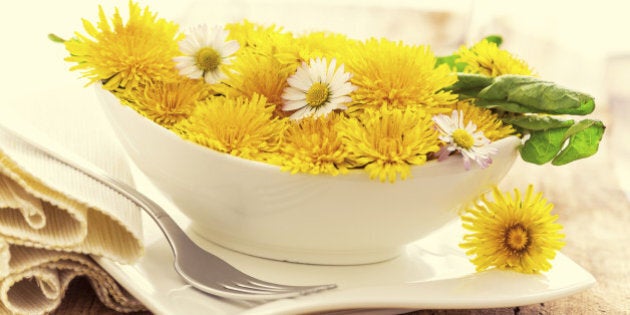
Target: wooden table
595 213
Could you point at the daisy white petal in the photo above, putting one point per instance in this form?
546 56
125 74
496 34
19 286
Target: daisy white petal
344 89
230 48
213 76
341 99
292 94
299 81
300 113
192 73
339 78
330 73
293 105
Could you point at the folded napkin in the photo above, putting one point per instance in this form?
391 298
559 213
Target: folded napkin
52 218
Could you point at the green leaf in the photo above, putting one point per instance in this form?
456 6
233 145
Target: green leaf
543 96
587 107
581 126
535 122
543 145
505 106
56 38
502 86
451 61
584 138
551 98
467 94
497 39
470 81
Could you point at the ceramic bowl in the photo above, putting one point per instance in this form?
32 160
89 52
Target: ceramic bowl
257 209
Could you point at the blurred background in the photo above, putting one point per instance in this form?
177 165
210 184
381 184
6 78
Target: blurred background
584 45
566 41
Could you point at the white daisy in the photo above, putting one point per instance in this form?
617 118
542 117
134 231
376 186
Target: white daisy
205 52
472 143
317 89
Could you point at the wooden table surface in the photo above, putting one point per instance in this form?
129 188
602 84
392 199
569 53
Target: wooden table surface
593 208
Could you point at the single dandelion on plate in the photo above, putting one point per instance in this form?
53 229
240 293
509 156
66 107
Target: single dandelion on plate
317 89
512 232
205 51
466 139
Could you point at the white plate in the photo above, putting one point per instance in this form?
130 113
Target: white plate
433 273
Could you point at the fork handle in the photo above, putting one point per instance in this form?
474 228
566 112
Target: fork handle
175 236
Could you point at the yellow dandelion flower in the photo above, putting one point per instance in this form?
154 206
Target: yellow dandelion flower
252 73
122 55
486 120
256 70
396 75
488 59
313 145
166 102
314 45
388 141
241 127
512 232
257 37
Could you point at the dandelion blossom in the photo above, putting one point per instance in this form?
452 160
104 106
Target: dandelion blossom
242 127
166 102
317 89
206 52
124 55
262 39
255 73
396 75
313 145
387 142
488 59
314 45
512 232
463 138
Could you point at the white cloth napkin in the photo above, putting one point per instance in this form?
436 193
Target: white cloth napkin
52 218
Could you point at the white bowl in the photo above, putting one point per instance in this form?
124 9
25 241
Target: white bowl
257 209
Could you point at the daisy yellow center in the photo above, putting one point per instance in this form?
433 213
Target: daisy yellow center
517 238
317 94
208 59
463 138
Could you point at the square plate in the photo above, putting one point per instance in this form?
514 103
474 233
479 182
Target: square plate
433 273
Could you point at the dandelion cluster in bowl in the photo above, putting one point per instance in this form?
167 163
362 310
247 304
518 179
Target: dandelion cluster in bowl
319 102
224 108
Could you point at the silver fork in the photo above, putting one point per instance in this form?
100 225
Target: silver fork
196 266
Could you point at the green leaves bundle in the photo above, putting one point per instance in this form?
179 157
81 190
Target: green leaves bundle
532 106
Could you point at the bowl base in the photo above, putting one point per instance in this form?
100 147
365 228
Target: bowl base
309 256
